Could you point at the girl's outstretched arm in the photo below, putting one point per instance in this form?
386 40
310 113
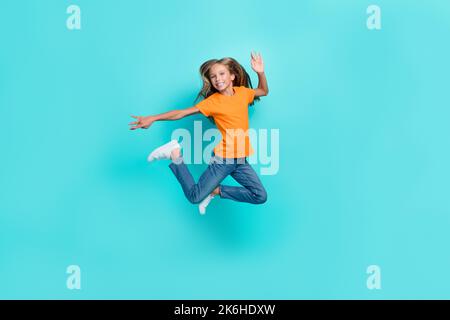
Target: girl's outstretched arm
146 122
258 66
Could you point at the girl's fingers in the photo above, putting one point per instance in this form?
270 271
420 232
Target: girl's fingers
256 56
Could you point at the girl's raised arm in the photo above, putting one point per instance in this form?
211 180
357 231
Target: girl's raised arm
145 122
258 66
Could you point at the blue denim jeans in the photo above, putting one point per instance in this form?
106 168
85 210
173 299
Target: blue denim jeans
252 190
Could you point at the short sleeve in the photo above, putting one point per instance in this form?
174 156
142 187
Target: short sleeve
250 94
205 106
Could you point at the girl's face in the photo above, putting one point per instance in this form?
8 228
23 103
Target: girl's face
220 77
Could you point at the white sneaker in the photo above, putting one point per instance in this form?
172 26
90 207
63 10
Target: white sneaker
202 206
164 151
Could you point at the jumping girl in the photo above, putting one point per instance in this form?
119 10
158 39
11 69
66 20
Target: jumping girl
227 92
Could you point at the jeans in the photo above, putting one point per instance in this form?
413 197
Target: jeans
252 190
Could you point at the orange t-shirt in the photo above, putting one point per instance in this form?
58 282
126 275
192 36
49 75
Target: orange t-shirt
230 114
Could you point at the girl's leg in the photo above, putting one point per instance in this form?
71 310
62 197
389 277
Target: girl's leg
252 190
209 180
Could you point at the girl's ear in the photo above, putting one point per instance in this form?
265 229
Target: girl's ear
233 77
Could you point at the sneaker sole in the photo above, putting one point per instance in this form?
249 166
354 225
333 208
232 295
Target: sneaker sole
151 157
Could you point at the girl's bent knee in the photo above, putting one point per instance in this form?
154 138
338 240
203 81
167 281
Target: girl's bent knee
261 197
196 198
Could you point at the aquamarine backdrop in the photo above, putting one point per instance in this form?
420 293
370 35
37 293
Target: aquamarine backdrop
364 151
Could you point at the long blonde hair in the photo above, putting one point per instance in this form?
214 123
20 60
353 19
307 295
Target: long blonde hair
241 77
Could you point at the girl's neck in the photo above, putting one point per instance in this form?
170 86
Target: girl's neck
229 91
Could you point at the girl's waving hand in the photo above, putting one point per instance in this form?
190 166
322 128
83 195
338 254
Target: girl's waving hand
257 62
258 67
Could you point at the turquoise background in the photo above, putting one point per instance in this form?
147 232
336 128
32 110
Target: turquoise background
364 151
